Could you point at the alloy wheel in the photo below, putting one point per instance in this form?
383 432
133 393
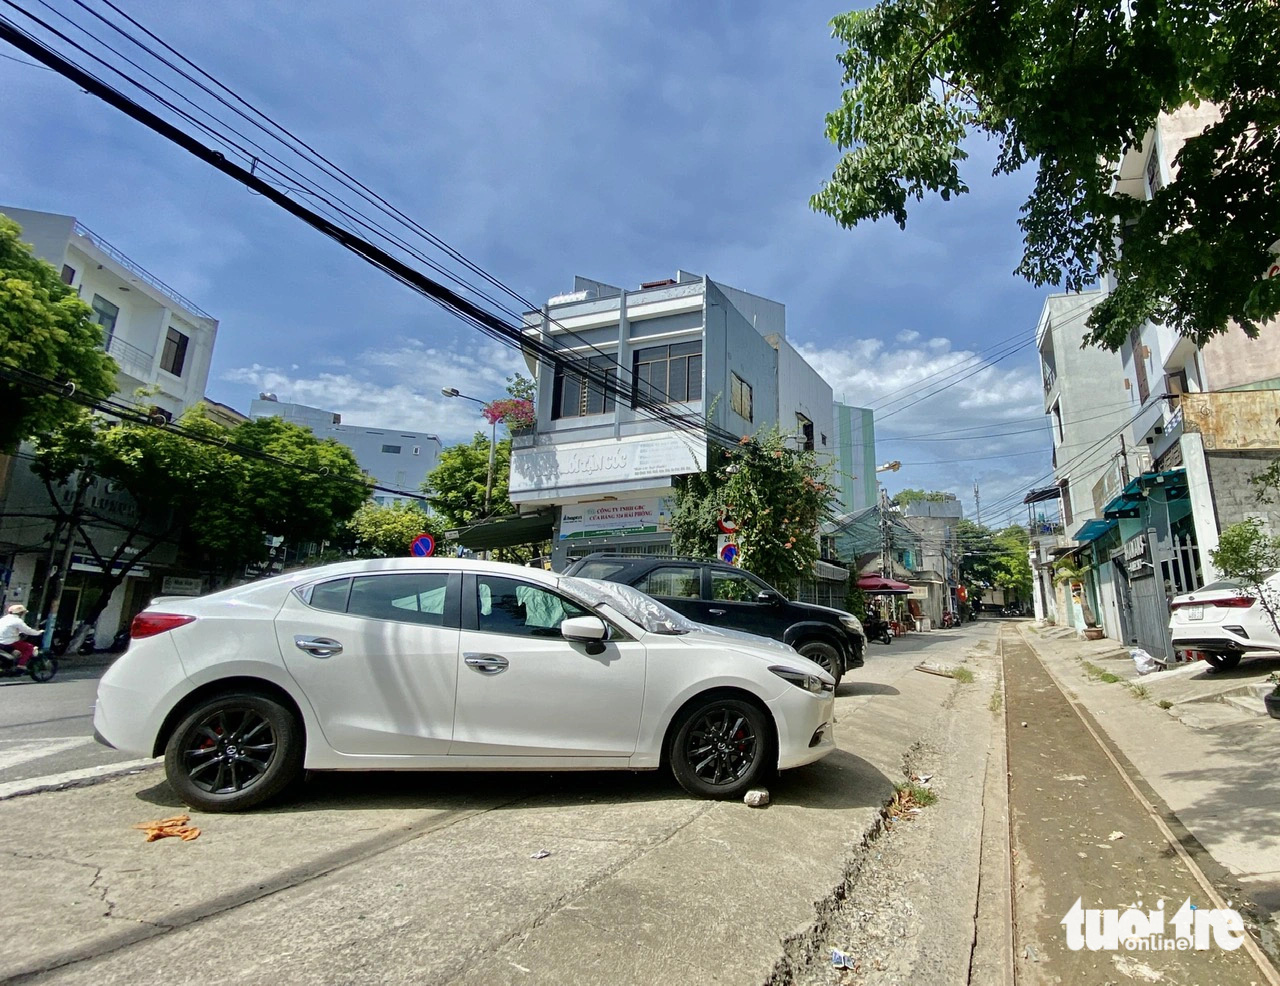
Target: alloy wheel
721 745
229 750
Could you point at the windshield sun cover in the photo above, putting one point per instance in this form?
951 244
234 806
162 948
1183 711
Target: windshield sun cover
640 609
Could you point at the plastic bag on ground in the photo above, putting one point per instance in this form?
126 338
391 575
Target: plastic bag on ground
1144 662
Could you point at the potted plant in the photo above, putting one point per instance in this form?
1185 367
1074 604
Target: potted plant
515 412
1272 698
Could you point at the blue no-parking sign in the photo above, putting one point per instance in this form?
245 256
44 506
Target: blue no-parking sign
729 553
424 545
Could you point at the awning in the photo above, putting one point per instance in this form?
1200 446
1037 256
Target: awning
1042 494
504 532
1091 530
878 585
832 573
1173 483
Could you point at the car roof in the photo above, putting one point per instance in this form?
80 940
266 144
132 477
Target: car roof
655 560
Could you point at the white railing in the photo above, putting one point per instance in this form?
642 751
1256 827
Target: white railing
138 269
132 360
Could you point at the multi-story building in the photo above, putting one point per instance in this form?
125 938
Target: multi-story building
936 578
602 466
391 457
1201 423
160 341
854 457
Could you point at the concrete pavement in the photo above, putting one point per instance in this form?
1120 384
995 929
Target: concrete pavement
1207 761
428 877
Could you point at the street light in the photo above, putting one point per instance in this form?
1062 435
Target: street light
493 441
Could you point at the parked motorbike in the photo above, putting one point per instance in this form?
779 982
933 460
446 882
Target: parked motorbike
949 620
877 629
40 667
79 639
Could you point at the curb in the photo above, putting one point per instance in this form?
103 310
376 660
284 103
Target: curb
84 777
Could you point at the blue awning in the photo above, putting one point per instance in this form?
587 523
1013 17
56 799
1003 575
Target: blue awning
1091 530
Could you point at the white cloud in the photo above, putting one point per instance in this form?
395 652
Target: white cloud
908 335
397 388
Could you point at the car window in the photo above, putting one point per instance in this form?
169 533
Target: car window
520 609
672 580
414 597
331 596
599 569
734 586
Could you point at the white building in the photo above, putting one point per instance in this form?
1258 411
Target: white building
391 457
599 464
160 340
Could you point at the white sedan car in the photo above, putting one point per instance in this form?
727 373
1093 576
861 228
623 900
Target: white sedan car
1225 621
429 664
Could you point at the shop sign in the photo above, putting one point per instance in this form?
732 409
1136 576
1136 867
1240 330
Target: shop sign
83 563
651 515
1136 554
176 585
548 468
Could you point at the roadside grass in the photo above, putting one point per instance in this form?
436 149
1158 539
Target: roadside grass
1164 703
997 701
962 675
1139 691
1098 674
910 795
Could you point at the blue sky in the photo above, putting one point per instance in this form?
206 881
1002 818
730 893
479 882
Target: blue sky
617 141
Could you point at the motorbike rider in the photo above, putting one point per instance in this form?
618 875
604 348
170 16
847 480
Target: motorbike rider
12 646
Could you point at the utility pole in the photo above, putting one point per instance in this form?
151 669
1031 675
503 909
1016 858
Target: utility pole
886 555
977 504
1124 461
57 579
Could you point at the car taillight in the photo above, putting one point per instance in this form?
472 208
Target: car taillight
1235 602
149 624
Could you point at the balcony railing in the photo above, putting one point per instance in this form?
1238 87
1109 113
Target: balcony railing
134 361
142 272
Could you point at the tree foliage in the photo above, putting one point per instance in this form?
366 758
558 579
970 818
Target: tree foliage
387 531
1073 87
994 560
908 496
1248 554
216 501
455 487
45 330
776 494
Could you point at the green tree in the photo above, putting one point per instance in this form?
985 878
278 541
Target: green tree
777 495
387 531
1246 553
219 498
45 331
455 487
1073 87
1012 564
908 496
522 388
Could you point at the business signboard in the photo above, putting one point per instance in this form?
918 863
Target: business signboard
651 515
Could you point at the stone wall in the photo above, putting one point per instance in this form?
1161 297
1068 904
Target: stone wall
1234 497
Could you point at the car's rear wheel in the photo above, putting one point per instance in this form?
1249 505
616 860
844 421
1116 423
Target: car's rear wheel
721 747
823 655
1222 662
234 751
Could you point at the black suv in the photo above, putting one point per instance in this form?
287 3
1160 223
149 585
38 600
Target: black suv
721 595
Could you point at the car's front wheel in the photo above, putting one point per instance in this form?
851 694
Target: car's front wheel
823 655
234 751
721 747
1222 662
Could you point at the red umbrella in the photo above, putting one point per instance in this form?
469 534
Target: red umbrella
879 585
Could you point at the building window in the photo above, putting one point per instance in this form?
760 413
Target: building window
740 397
417 450
174 357
68 273
804 432
105 314
824 441
391 449
667 374
573 395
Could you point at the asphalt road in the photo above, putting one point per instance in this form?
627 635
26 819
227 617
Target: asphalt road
48 728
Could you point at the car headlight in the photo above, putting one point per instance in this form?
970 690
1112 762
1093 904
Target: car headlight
802 679
851 622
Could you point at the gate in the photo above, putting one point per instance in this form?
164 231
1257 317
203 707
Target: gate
1150 613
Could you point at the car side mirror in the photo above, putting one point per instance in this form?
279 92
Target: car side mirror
771 597
590 630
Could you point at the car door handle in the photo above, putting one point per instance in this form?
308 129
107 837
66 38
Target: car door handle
317 646
717 612
486 663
